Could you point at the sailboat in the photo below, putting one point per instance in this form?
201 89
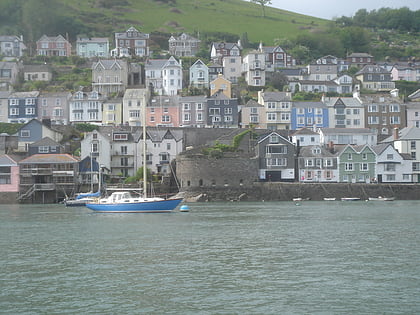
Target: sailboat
123 201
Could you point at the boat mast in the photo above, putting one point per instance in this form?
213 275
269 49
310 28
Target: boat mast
144 152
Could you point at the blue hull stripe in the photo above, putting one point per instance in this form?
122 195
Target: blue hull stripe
153 206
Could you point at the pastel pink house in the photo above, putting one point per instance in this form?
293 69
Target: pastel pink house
9 174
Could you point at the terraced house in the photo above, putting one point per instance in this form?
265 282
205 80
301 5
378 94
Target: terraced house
356 164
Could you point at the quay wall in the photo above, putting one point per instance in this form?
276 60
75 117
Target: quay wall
8 197
275 191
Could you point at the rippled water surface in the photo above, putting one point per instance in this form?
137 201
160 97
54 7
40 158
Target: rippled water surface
219 258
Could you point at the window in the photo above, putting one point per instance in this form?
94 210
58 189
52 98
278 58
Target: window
372 108
199 106
30 111
271 117
14 111
134 114
44 149
25 133
271 105
276 162
364 156
124 161
348 166
349 156
309 162
328 162
364 166
389 167
390 156
390 177
412 144
123 150
120 136
274 139
186 106
228 111
187 117
166 118
279 149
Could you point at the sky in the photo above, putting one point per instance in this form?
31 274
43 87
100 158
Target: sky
329 9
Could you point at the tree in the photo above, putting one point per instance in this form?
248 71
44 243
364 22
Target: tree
263 3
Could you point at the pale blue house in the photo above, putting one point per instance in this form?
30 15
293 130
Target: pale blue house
90 47
199 75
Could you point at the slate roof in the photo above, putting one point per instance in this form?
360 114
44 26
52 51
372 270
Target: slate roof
276 96
309 104
6 160
46 141
308 151
348 101
407 133
304 131
415 95
330 131
49 159
253 103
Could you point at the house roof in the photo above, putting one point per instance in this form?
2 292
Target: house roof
197 98
276 96
109 63
407 133
7 65
7 160
220 45
46 141
37 68
24 94
253 103
309 105
304 131
347 101
359 55
49 159
373 69
332 131
415 95
281 133
308 151
379 148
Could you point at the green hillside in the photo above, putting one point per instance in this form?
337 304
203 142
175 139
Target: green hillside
103 17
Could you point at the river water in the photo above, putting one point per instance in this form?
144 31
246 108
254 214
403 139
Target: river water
219 258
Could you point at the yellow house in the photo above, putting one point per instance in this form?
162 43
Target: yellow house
112 112
221 84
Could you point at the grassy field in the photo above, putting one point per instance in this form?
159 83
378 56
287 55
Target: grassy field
192 16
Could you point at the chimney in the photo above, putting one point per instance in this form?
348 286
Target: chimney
395 133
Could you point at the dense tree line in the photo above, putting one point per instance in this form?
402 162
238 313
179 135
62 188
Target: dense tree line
402 19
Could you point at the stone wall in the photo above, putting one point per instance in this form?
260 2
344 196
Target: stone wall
198 170
275 191
8 197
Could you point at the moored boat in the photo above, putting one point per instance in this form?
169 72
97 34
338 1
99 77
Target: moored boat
81 199
329 198
124 202
350 199
380 198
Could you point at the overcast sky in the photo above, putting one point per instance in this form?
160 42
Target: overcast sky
328 9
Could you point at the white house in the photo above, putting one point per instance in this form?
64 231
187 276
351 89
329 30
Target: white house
165 76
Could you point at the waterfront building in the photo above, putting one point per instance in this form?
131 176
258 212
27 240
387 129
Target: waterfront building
47 178
253 68
356 164
276 157
407 140
9 174
317 163
391 166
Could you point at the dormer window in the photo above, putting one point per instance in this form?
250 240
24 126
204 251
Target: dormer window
316 151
